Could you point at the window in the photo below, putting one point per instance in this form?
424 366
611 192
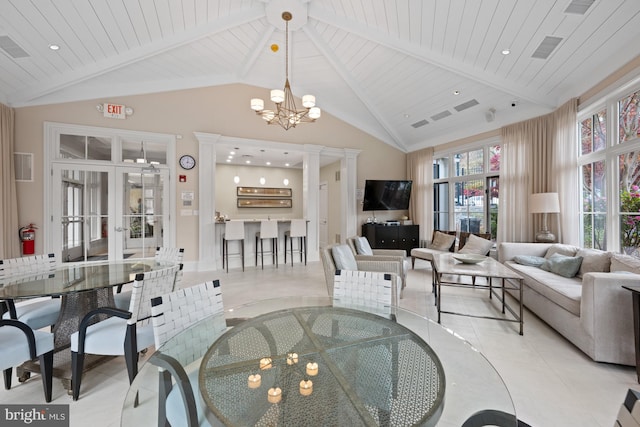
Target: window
466 191
610 175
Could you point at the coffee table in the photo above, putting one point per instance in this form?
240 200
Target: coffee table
447 271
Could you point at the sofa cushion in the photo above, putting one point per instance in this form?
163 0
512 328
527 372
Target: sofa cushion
565 292
343 258
362 246
593 260
476 245
442 241
531 260
559 248
621 262
563 265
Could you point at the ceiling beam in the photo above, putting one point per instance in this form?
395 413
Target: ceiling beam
353 84
134 55
426 55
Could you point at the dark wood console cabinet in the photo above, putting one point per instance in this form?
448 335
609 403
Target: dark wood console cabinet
382 236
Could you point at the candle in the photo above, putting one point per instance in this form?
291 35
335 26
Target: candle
254 381
306 387
274 395
292 358
265 363
312 369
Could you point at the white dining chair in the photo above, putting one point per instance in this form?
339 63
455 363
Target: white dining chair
233 231
268 230
375 292
18 344
164 255
36 314
172 314
123 333
298 229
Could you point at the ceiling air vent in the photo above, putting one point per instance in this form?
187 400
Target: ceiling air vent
11 48
442 115
420 123
579 7
546 47
466 105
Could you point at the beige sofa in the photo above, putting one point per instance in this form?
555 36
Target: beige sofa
591 310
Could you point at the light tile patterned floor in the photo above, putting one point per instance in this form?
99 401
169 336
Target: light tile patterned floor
552 383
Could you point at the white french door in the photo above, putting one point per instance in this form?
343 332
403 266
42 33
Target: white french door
108 212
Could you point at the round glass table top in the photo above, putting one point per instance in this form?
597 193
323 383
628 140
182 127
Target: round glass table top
471 384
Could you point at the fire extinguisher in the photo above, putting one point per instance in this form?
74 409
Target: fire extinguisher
28 238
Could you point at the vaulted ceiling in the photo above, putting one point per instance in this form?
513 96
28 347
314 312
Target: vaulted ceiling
389 68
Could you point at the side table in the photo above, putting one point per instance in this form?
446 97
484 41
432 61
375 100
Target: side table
635 291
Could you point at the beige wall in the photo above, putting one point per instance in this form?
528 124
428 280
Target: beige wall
220 110
226 199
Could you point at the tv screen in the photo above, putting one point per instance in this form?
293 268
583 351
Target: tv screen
386 195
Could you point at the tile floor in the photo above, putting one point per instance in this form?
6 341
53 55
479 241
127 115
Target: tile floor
551 382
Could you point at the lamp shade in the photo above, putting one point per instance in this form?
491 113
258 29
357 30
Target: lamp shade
544 203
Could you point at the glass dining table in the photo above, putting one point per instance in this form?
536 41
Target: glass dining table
317 361
82 287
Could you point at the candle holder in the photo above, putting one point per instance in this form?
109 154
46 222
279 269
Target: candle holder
290 366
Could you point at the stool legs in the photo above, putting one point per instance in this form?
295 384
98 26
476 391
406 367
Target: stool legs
274 251
302 244
225 253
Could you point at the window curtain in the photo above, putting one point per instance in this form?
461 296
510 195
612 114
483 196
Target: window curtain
420 171
9 244
539 156
564 173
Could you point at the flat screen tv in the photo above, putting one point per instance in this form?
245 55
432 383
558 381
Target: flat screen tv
386 195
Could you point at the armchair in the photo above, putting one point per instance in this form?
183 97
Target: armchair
362 251
340 257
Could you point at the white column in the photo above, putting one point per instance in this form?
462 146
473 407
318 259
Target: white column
311 197
207 244
348 174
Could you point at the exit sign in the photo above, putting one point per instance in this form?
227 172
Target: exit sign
114 111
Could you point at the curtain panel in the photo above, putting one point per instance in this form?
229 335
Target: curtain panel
9 243
420 171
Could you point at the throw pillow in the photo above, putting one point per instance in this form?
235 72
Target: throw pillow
562 265
593 260
362 246
343 258
476 245
622 262
442 241
530 260
559 248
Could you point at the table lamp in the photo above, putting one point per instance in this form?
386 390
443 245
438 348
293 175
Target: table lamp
544 203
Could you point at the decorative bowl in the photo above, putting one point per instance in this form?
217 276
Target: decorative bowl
469 258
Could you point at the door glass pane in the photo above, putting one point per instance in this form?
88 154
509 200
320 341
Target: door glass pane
630 203
144 152
441 206
469 206
84 215
85 147
143 216
494 198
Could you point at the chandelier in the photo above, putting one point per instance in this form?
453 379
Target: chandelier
286 114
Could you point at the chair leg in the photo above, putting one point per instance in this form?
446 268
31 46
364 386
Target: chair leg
224 242
164 387
261 253
274 251
46 371
7 378
131 352
285 249
304 241
257 249
77 365
242 254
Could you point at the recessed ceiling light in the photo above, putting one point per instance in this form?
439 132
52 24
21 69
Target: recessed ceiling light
506 51
228 160
286 164
268 163
456 92
232 153
247 161
54 47
406 116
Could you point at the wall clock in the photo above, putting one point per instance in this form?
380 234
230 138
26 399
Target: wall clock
187 162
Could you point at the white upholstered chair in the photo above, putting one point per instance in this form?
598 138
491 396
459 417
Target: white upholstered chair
268 230
19 343
298 229
122 333
36 314
233 231
171 314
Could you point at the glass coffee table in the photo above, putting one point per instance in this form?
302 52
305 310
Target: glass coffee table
364 369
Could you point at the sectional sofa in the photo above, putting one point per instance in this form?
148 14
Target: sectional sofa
590 309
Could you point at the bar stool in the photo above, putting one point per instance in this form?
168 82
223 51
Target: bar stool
268 230
233 230
299 230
